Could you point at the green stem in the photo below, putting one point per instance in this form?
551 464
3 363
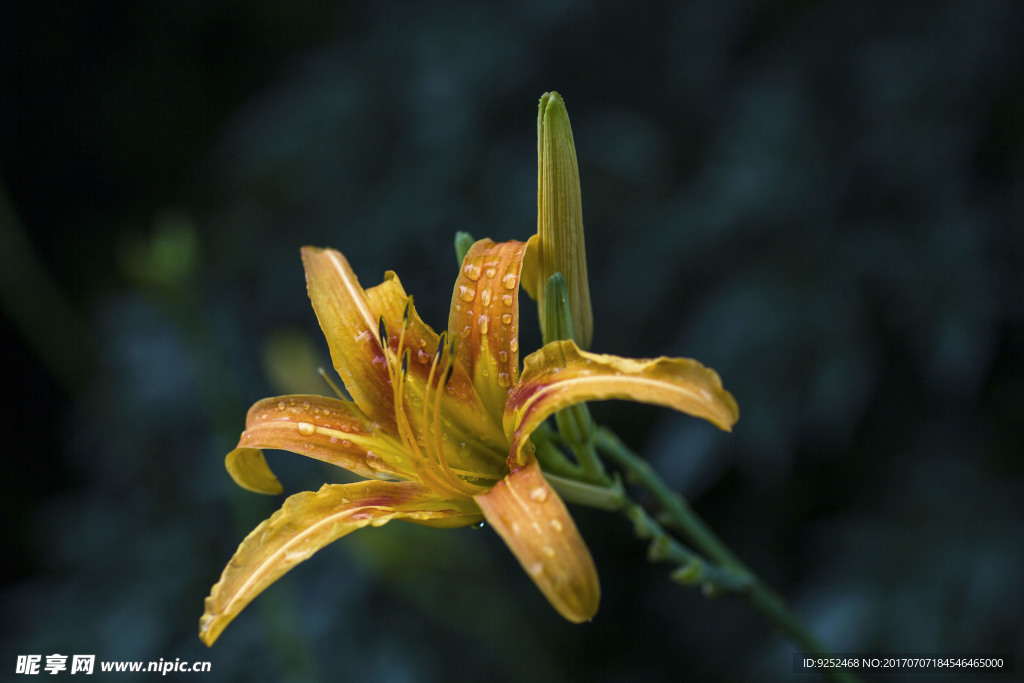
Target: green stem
730 575
678 510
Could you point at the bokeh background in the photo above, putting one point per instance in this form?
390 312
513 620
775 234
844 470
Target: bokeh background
820 200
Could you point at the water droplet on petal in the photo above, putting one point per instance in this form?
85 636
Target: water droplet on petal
374 461
539 494
504 379
537 568
482 322
345 443
548 551
507 318
280 405
513 345
472 271
485 297
556 526
466 293
503 355
509 281
307 429
506 299
422 356
490 272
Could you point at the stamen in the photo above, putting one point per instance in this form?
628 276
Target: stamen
454 479
439 351
330 382
382 334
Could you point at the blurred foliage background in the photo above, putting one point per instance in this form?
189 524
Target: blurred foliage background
822 201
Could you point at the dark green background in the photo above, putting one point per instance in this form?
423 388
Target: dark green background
820 200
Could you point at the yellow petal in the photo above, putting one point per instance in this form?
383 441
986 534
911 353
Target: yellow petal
560 374
309 521
534 523
327 429
249 469
350 321
485 316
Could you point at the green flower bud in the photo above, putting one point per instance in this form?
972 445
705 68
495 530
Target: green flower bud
560 244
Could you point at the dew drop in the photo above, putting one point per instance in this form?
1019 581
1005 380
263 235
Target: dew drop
539 494
450 389
305 405
280 405
503 355
507 318
485 297
506 299
490 272
346 428
472 271
556 526
504 379
548 551
345 443
509 281
334 439
537 568
482 323
422 356
513 345
373 460
307 429
466 293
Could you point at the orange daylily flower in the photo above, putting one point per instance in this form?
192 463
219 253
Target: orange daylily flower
439 425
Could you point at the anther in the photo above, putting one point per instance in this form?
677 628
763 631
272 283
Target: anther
440 346
405 363
382 334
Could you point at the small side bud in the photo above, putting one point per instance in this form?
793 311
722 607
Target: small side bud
463 242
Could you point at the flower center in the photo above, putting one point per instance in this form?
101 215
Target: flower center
421 431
